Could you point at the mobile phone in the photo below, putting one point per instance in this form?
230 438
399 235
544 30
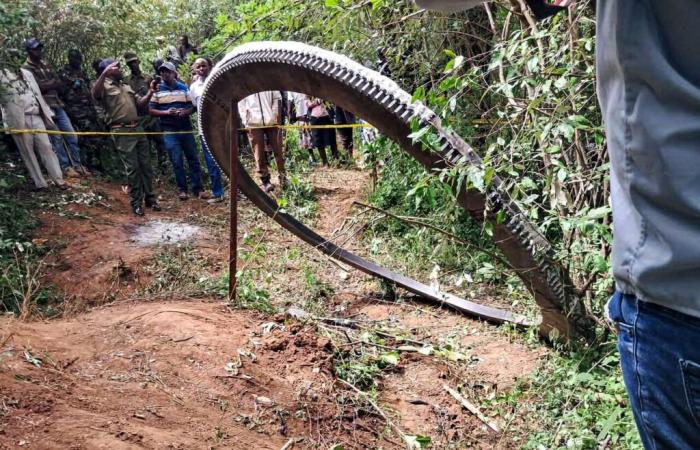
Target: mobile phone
158 79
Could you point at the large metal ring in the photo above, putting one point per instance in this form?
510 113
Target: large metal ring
293 66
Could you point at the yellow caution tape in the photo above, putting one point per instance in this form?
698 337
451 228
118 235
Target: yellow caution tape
88 133
161 133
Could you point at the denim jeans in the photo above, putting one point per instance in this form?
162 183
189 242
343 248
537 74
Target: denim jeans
180 147
214 173
660 359
63 123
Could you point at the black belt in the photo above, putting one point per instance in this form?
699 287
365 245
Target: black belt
133 124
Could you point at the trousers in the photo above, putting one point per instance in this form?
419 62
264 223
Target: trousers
152 125
343 117
30 145
134 153
660 359
71 157
217 189
257 141
181 147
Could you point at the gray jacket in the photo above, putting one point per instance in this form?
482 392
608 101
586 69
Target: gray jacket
649 91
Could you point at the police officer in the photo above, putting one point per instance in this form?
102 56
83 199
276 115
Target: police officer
121 105
80 108
140 83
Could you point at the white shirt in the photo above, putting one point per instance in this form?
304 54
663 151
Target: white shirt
260 109
196 91
299 100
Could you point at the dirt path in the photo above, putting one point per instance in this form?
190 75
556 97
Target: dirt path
127 368
336 190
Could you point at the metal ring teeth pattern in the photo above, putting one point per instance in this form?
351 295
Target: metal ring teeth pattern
556 291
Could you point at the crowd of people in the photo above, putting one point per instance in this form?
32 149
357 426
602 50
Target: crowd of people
145 112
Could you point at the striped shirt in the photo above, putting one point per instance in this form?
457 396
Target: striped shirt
178 97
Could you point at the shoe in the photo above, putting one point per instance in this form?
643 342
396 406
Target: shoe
182 195
62 186
85 171
138 211
218 199
70 173
154 206
204 195
266 185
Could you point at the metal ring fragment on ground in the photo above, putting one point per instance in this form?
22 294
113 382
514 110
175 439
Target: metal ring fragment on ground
297 67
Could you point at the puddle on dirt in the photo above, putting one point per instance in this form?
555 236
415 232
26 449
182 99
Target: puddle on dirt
163 232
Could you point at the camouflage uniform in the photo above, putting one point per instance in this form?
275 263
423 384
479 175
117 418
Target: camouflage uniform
81 110
139 84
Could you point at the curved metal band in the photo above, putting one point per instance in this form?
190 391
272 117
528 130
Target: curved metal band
292 66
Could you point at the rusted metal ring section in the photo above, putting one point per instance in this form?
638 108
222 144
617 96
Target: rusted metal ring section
292 66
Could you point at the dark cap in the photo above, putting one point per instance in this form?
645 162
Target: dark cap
32 43
104 63
167 65
130 56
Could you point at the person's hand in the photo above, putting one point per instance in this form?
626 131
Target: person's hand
154 86
173 112
112 69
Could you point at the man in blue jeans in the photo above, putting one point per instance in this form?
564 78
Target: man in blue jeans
50 86
649 92
172 104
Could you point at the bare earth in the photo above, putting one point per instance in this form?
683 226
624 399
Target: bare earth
120 369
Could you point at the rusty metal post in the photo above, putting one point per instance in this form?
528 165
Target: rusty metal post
233 212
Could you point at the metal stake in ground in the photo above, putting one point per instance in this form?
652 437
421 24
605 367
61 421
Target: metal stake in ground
233 212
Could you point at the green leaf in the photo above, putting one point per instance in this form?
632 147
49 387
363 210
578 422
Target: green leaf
390 357
598 213
608 424
475 176
418 441
418 94
332 3
500 217
416 135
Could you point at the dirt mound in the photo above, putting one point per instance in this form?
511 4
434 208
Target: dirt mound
199 375
162 375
